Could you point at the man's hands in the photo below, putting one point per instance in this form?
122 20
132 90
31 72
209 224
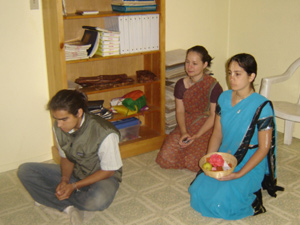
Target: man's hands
64 190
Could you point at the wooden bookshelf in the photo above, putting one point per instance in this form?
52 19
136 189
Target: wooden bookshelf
59 27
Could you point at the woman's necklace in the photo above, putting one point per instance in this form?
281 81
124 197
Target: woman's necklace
239 98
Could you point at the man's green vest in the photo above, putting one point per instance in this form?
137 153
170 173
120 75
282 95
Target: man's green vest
81 147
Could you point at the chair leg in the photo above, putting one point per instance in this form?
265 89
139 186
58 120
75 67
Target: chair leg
288 132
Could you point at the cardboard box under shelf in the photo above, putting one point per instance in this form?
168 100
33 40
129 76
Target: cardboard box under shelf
129 128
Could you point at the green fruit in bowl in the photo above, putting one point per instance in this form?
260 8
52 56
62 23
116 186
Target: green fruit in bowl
207 166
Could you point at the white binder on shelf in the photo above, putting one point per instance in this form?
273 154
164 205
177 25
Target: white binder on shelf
120 24
146 39
132 34
122 34
126 34
139 35
154 24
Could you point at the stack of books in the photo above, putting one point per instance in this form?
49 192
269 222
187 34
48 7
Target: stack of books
109 41
133 5
84 48
75 50
174 71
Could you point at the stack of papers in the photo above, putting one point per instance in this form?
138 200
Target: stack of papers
174 71
76 50
133 2
133 5
84 48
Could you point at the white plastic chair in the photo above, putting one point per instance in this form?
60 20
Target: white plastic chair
289 112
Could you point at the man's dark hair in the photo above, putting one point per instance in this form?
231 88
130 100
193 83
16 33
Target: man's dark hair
68 100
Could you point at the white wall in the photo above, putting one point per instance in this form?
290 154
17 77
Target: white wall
199 22
268 29
25 123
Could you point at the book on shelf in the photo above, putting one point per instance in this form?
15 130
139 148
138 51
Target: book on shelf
94 39
76 45
112 43
103 54
109 41
139 33
105 50
132 33
75 56
70 52
109 38
64 8
91 37
100 29
105 35
112 47
87 12
146 33
133 8
133 2
75 49
154 24
120 24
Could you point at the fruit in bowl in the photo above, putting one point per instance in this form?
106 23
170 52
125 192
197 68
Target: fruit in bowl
222 164
207 166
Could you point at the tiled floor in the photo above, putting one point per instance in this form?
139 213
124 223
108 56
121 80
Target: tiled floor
154 196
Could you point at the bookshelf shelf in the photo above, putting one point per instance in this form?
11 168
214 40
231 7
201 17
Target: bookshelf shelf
95 90
59 28
152 109
97 58
71 16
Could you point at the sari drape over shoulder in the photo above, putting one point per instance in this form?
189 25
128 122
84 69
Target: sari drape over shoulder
234 199
196 101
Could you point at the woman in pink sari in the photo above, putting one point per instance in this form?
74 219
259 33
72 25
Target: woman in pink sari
196 96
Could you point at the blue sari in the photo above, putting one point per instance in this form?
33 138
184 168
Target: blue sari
233 199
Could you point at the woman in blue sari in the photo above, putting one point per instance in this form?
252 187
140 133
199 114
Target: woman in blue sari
238 195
